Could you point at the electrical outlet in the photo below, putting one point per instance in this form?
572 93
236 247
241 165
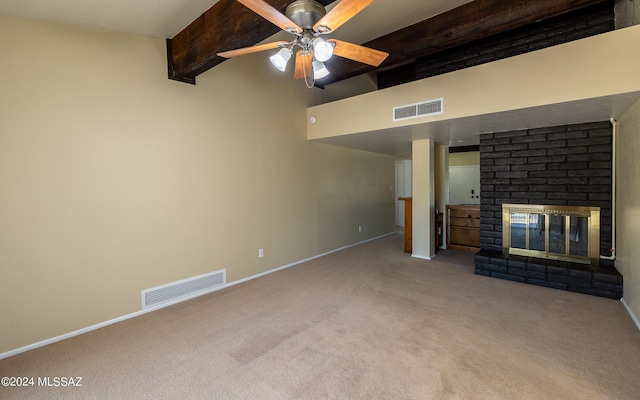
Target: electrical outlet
359 228
260 253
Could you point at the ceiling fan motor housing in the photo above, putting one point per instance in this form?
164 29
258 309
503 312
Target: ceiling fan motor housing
305 13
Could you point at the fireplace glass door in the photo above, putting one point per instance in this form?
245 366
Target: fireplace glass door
579 236
536 231
556 232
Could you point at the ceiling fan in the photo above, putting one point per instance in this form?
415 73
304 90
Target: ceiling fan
308 20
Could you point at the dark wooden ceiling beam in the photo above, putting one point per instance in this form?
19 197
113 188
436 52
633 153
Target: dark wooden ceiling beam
227 25
465 24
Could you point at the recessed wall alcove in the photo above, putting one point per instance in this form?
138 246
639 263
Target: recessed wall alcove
566 166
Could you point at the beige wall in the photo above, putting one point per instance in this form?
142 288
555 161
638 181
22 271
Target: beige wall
628 205
115 179
466 158
496 87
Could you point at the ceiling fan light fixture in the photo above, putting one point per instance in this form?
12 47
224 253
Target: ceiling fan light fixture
319 70
322 50
307 20
280 59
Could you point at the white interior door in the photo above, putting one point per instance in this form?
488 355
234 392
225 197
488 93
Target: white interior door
399 191
403 188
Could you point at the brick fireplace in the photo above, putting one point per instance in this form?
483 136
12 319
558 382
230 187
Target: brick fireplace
566 166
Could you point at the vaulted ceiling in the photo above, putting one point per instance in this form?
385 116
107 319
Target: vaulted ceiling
229 25
196 30
199 29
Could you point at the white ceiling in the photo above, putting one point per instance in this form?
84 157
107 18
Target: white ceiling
165 18
160 18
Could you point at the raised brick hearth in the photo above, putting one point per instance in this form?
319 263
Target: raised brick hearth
582 278
563 165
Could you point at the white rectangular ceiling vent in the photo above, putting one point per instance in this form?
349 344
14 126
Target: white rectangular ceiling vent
185 289
430 107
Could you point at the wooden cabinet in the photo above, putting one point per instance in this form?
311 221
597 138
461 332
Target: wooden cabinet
463 227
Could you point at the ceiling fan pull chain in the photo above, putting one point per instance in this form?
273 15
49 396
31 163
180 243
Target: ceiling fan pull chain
306 82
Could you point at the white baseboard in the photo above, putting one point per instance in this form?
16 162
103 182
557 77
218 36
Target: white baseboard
631 314
423 257
78 332
305 260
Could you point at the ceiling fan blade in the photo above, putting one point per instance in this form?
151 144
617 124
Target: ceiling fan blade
269 13
341 13
358 53
303 65
252 49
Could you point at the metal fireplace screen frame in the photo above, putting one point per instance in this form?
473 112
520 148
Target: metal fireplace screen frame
564 220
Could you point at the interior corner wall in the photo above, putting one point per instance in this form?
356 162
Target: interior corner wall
115 179
628 205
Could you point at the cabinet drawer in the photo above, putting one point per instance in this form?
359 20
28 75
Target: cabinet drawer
465 222
465 236
464 212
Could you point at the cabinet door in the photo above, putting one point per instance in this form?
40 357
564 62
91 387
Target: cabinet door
465 236
464 184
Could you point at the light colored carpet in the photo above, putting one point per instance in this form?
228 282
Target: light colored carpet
369 322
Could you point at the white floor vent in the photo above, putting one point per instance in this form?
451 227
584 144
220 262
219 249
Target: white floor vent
185 289
431 107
